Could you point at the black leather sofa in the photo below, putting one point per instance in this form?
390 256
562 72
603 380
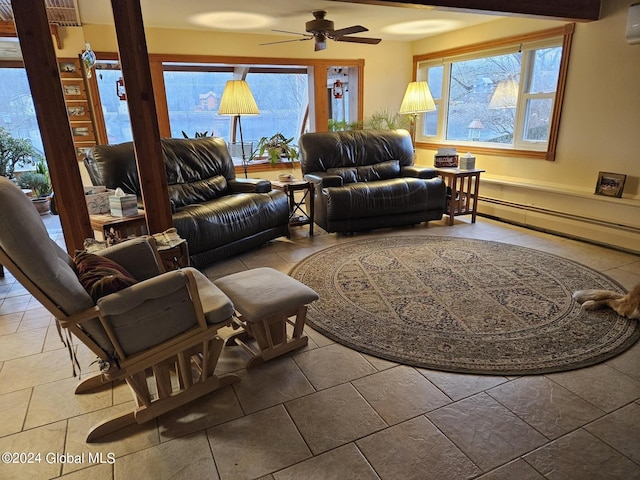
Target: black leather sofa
216 213
366 179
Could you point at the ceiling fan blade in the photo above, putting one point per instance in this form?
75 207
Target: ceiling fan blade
370 41
293 33
341 32
287 41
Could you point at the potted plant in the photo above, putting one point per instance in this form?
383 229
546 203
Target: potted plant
385 120
276 147
40 185
14 152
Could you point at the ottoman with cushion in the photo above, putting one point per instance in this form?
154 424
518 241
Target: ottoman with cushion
264 300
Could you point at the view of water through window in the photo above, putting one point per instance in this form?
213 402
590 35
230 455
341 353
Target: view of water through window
17 113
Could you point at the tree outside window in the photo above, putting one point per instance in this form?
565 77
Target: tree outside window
504 98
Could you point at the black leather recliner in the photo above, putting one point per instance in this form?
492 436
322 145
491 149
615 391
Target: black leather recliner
216 213
366 179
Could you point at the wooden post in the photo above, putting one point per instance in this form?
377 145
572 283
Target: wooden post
41 66
134 59
321 102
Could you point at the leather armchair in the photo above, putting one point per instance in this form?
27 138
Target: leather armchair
366 179
216 213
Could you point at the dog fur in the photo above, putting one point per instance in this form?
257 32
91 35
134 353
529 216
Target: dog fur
625 305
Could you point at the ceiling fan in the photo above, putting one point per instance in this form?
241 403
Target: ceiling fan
319 29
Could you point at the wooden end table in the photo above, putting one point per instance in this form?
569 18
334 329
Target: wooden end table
175 256
296 207
463 186
119 227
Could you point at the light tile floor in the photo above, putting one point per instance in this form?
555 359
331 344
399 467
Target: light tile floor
328 412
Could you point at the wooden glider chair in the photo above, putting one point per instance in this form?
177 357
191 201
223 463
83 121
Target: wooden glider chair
159 334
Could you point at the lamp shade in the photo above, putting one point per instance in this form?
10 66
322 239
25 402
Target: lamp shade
505 95
417 99
237 99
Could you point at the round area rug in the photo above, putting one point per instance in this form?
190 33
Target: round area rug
462 305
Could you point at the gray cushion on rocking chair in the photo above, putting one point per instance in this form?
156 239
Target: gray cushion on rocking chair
133 312
26 241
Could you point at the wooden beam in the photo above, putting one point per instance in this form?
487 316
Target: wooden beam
8 29
46 90
321 102
157 76
574 10
134 60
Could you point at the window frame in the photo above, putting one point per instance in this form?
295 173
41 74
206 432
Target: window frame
317 114
525 43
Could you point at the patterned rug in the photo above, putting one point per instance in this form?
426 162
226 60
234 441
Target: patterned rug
462 305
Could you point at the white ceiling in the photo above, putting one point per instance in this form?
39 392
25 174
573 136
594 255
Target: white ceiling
290 15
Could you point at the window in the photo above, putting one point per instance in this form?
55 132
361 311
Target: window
500 98
18 115
115 108
193 95
194 92
292 97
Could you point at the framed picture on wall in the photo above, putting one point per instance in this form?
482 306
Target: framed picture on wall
78 111
73 89
82 132
69 69
610 184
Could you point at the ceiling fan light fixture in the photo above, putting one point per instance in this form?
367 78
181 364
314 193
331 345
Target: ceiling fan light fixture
320 43
321 29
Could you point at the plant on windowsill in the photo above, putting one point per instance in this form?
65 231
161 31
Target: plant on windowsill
276 147
204 134
385 120
40 185
343 125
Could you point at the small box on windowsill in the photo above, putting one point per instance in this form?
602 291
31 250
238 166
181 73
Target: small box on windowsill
124 206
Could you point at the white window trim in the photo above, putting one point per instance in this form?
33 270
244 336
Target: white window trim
526 43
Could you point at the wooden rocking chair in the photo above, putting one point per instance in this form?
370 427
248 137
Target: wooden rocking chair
160 335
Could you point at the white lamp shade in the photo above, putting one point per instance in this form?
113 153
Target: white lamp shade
417 99
237 99
505 95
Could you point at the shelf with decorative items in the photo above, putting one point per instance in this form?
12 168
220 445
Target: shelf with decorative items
73 75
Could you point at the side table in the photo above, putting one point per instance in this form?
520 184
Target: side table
462 191
297 214
174 256
118 227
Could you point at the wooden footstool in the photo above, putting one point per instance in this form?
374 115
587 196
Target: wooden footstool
264 299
